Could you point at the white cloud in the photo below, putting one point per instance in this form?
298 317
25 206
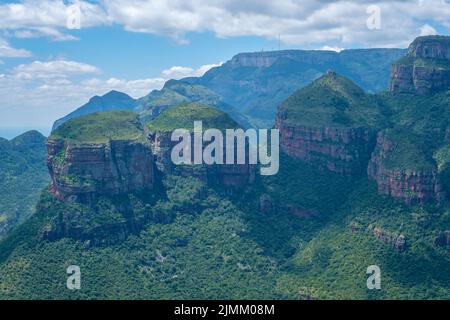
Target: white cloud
178 72
427 30
306 22
53 69
309 23
46 91
7 51
33 18
331 48
38 32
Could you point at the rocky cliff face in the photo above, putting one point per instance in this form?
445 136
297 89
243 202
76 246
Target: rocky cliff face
341 150
426 68
85 170
430 47
413 186
398 241
233 175
267 59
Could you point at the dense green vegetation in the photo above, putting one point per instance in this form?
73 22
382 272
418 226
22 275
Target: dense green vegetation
419 127
188 240
183 116
23 174
407 151
332 101
100 127
421 62
177 92
213 246
113 100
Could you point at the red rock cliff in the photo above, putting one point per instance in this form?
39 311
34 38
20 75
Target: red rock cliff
413 186
340 150
228 175
426 68
85 170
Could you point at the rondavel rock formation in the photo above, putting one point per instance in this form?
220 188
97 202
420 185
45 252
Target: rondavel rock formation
312 129
85 170
412 185
426 68
340 150
120 156
227 175
353 149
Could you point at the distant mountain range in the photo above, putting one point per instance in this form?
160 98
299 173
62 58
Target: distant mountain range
113 100
250 86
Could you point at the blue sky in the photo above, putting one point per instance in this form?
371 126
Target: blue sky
48 69
119 53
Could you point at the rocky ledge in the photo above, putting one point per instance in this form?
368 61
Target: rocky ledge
398 241
234 176
426 68
341 150
231 176
406 179
84 170
99 154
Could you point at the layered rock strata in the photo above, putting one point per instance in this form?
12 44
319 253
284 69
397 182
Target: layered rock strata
426 68
341 150
86 170
412 186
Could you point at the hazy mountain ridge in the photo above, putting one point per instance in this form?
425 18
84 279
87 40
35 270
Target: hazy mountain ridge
250 86
112 100
257 82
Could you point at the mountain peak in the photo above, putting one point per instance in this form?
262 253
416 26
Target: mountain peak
115 93
331 100
29 137
339 83
113 100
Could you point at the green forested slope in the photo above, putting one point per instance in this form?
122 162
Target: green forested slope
217 247
23 174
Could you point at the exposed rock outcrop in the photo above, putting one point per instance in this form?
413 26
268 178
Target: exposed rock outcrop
340 150
227 175
411 185
426 68
86 170
330 124
430 47
398 241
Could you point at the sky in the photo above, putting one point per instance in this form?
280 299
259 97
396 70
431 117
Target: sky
55 54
